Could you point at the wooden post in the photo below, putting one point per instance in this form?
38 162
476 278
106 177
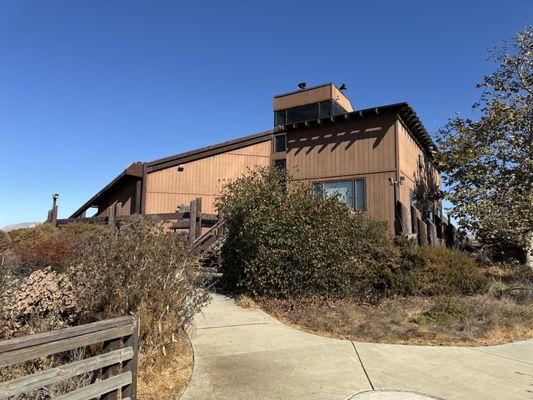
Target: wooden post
130 391
192 221
422 233
53 216
415 216
198 232
432 233
112 370
118 209
404 227
111 213
136 208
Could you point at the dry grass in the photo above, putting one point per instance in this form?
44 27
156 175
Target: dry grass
170 375
475 320
246 301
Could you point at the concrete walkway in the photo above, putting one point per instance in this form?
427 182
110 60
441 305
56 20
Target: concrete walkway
246 354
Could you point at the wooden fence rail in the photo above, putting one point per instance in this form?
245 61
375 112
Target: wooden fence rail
117 363
189 218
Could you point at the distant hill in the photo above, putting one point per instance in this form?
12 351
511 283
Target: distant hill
12 227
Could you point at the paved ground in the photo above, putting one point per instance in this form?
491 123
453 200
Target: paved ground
246 354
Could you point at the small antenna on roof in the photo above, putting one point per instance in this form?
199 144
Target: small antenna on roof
302 85
343 87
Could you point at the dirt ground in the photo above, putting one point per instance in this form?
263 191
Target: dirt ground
476 320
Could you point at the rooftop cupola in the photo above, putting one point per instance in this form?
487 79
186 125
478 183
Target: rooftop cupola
311 103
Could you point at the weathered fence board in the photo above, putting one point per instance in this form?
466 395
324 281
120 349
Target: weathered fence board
54 375
52 336
118 362
43 350
99 388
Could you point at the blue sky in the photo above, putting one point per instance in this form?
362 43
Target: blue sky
88 87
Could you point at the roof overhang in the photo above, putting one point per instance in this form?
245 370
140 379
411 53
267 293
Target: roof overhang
134 170
403 110
209 151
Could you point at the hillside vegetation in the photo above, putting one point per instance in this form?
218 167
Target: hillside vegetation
318 264
53 278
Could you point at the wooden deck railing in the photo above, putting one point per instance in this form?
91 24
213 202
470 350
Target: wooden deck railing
117 363
189 217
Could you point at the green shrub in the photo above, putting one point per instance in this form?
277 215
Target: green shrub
282 241
445 309
5 242
441 271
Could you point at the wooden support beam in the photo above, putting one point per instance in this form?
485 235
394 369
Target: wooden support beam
53 215
136 207
198 217
192 221
111 213
111 370
130 391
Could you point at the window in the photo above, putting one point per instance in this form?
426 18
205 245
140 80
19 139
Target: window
360 194
281 143
343 190
279 117
324 109
302 113
337 109
280 164
351 192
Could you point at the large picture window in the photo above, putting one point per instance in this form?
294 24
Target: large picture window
351 192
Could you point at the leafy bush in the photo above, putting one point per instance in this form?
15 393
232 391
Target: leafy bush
81 273
283 242
445 310
143 270
5 241
46 245
441 271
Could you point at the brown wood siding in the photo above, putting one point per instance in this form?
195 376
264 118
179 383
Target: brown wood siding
304 97
408 154
341 98
345 148
124 192
379 195
168 188
350 149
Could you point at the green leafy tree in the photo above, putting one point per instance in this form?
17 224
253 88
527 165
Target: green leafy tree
487 161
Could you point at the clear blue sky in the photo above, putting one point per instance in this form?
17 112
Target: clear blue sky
88 87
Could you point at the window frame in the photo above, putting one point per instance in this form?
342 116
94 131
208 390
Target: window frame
284 136
320 185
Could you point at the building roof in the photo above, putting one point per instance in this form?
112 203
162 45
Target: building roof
134 170
208 151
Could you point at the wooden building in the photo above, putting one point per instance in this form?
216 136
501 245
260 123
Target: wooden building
369 158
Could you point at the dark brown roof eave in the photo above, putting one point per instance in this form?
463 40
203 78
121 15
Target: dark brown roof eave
404 110
133 170
208 151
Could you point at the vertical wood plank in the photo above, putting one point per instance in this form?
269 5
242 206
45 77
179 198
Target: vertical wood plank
198 218
111 370
111 213
192 221
130 391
